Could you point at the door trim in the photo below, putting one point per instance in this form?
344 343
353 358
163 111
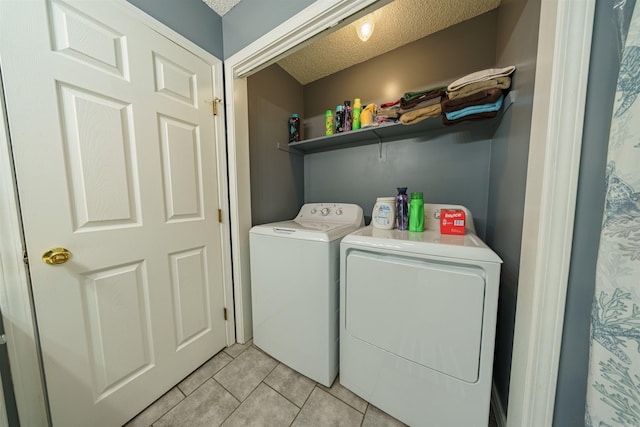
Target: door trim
549 211
15 293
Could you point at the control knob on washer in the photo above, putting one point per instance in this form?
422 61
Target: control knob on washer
324 211
339 211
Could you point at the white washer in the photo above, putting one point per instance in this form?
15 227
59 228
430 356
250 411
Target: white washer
417 322
295 274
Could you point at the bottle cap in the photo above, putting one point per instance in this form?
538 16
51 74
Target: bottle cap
329 113
294 115
416 195
347 103
339 107
357 103
402 190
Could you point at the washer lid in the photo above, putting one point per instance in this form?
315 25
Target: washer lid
429 242
305 230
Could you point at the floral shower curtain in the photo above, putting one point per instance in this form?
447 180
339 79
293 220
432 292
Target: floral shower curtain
613 390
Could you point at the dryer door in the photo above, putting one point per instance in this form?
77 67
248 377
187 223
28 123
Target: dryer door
427 311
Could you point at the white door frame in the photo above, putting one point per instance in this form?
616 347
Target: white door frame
15 293
563 50
562 71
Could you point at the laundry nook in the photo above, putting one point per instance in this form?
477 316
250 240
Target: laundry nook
318 213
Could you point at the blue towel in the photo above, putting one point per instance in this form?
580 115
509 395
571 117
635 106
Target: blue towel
474 109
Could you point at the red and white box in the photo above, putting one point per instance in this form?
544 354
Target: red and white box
452 221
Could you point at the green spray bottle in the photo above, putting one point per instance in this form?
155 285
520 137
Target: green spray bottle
416 212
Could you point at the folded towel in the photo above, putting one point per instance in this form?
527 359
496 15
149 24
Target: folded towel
390 104
470 117
480 98
410 96
422 104
388 112
475 109
386 119
471 88
432 94
419 115
487 74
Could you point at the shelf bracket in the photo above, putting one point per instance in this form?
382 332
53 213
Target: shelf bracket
289 150
379 144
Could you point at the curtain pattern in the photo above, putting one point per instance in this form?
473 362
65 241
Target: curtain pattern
613 391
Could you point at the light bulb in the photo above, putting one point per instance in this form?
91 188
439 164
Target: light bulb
365 30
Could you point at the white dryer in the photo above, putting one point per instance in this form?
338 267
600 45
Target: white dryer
417 322
295 274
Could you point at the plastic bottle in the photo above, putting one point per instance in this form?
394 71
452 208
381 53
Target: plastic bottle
338 120
384 213
402 209
328 122
294 128
416 212
357 109
348 116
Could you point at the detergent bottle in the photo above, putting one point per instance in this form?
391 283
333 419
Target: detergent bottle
357 109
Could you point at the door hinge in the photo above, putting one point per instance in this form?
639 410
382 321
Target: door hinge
25 257
219 215
225 313
215 105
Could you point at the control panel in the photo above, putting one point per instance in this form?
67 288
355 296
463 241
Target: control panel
344 213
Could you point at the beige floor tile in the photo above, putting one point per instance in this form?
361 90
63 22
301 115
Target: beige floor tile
208 406
291 384
237 349
263 408
374 417
245 372
344 394
322 409
204 372
157 409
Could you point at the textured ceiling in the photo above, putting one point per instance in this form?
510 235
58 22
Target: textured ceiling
221 6
396 24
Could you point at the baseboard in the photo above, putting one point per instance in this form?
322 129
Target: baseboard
496 406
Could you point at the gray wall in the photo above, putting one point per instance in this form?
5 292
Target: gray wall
251 19
423 163
277 177
191 18
516 45
574 355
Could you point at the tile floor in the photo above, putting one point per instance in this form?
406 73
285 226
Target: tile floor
242 386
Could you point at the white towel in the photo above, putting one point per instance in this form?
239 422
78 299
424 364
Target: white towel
487 74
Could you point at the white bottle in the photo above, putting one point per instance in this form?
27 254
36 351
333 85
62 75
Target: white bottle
384 213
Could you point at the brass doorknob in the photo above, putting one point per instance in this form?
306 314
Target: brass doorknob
56 256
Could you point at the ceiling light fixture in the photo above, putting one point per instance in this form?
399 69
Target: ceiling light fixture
365 30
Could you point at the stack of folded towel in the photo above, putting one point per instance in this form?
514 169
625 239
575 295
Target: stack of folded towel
388 112
417 106
477 95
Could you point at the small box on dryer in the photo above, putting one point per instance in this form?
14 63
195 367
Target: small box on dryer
452 221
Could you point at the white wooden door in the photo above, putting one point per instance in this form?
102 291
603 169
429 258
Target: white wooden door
115 155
